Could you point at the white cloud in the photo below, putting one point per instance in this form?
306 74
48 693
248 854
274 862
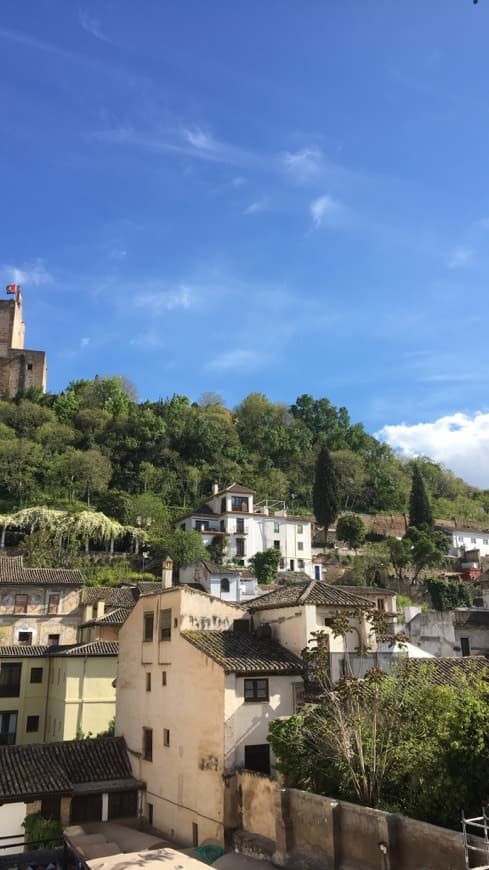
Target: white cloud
321 208
460 256
34 274
236 360
459 441
91 25
305 163
166 300
238 181
198 138
257 206
85 341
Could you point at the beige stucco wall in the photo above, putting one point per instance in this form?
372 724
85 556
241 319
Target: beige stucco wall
31 701
184 780
81 696
37 619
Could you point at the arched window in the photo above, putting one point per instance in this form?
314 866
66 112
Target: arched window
224 585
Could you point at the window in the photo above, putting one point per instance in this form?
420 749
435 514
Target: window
53 639
150 814
163 678
36 675
223 505
239 504
20 605
465 645
282 564
257 758
380 604
25 637
317 572
240 526
29 367
473 540
148 744
32 723
256 690
195 834
298 696
292 565
148 682
8 727
224 585
300 529
53 603
166 737
165 625
276 545
240 547
301 564
485 541
10 673
276 528
149 621
300 545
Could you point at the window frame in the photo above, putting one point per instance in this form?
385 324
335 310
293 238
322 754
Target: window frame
23 597
147 752
166 737
251 690
37 672
53 599
148 618
29 722
148 681
165 624
25 641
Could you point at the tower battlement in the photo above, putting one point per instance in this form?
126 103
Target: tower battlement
20 369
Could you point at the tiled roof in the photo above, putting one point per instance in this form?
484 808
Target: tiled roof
95 648
240 653
213 568
24 651
112 595
236 487
54 768
366 590
452 671
13 571
285 577
471 617
148 587
113 617
311 592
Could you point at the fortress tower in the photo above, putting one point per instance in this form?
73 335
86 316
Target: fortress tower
19 368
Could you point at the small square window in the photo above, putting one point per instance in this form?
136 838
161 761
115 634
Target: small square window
485 541
300 530
29 367
25 637
53 639
276 528
149 620
473 540
148 682
163 678
36 675
20 605
301 564
166 737
256 690
32 723
300 545
148 744
276 545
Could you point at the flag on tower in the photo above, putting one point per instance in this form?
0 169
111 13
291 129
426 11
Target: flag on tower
12 288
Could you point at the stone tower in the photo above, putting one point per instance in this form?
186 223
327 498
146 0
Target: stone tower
19 368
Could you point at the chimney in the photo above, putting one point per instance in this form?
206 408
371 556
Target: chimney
167 573
215 488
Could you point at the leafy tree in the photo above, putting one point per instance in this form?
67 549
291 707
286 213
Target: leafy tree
217 549
420 514
370 567
400 553
446 595
182 547
351 528
325 493
42 833
265 565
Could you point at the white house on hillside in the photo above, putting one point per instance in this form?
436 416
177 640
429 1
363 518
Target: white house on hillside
249 528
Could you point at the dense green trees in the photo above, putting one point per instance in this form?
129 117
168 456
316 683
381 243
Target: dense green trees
325 493
420 514
265 565
351 529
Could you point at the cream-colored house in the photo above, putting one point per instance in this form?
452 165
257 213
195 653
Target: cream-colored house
196 691
49 694
38 606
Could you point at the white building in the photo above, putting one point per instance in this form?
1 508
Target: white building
469 539
248 528
224 582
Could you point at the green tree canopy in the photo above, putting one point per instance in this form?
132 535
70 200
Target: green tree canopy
420 514
351 528
265 565
325 493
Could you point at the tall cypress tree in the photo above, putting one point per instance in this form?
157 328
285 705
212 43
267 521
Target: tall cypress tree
326 492
419 504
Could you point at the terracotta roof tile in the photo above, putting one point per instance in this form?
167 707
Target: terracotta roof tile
241 653
112 595
95 648
55 768
311 592
113 617
24 651
12 571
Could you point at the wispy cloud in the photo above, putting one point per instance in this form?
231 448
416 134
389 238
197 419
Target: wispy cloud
238 181
461 256
236 360
257 206
91 25
33 273
21 38
321 208
459 441
160 300
304 164
85 341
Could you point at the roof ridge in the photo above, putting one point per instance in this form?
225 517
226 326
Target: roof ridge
307 591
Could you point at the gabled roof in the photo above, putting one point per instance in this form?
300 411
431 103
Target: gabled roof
213 568
112 595
312 592
12 571
113 617
24 651
95 648
56 768
242 654
451 670
237 488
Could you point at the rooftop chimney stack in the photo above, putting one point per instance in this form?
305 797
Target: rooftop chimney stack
167 573
215 488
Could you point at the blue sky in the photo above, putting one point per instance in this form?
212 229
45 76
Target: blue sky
269 196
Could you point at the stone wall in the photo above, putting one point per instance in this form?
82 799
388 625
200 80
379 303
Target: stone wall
311 831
